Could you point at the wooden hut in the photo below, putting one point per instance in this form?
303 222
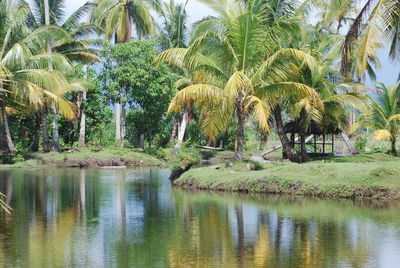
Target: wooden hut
319 142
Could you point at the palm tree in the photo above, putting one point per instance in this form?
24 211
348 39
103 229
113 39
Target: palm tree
376 22
337 95
384 115
117 18
173 35
174 31
51 12
233 75
25 73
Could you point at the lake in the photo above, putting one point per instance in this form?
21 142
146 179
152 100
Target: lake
134 218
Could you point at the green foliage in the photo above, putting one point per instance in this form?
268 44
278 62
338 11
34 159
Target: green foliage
361 144
160 153
383 115
186 156
130 77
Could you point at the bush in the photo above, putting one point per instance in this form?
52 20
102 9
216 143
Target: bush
157 152
361 144
17 158
186 156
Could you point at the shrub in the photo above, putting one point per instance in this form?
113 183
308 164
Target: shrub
361 144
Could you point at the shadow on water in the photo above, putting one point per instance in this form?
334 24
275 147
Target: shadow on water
133 218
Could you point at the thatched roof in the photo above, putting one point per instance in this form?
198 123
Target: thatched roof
313 129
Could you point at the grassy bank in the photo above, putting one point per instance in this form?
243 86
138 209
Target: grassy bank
372 176
89 158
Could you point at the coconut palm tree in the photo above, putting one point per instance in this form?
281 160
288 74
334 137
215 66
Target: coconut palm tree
174 30
117 19
234 75
336 94
384 115
25 73
174 34
51 12
376 22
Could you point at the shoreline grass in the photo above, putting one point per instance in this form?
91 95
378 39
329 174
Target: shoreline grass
365 176
87 158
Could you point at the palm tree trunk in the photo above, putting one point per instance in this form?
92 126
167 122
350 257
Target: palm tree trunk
352 148
128 22
82 109
393 143
56 144
38 124
118 121
82 123
304 155
287 147
45 127
182 127
123 120
6 128
240 127
56 140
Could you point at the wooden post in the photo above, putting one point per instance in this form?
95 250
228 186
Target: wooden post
333 144
315 144
323 143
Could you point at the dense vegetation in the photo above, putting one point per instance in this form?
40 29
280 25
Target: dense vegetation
112 75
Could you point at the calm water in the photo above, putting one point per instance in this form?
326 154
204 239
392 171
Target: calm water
133 218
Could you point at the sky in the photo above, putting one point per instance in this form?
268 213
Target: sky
388 74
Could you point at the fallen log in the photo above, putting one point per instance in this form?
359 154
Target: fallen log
210 148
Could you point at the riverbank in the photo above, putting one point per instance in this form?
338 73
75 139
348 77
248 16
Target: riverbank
89 159
369 176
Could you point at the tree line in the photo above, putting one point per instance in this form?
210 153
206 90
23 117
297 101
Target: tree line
109 74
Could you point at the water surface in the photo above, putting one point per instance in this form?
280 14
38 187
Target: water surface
134 218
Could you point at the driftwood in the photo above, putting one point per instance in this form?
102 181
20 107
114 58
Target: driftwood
210 148
264 153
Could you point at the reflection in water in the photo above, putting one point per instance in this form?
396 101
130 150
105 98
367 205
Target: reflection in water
133 218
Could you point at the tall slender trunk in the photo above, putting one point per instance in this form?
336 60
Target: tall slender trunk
6 127
56 140
287 147
82 109
393 143
56 143
240 126
38 124
82 123
118 121
304 155
128 22
183 125
123 120
45 127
